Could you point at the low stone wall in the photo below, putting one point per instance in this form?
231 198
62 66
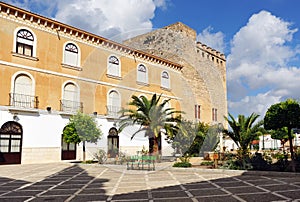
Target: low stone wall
41 155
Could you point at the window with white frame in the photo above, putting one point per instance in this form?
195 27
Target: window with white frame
22 92
71 55
165 80
142 74
71 99
24 42
113 103
113 67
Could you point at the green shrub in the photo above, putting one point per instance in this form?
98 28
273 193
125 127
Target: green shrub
182 164
185 158
207 163
88 162
101 156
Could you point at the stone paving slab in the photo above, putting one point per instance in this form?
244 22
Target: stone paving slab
81 182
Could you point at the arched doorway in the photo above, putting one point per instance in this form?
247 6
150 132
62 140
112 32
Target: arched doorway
11 143
112 143
68 150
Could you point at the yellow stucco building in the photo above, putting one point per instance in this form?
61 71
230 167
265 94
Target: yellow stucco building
50 70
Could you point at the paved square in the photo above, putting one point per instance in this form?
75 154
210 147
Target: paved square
82 182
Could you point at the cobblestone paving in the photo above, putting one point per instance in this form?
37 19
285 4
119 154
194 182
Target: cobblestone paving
78 182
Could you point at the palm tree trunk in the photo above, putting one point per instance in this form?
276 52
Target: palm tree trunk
291 149
83 149
155 145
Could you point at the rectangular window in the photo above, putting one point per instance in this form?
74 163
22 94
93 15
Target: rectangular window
214 114
72 146
197 112
20 48
15 145
64 146
24 49
71 58
27 50
4 145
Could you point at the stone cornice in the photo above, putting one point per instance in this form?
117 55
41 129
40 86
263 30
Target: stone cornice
211 51
83 35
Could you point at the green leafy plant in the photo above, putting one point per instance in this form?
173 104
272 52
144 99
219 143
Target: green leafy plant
153 116
284 114
101 156
207 163
82 128
88 162
243 131
184 162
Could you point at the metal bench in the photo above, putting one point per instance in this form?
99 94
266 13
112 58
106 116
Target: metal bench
141 162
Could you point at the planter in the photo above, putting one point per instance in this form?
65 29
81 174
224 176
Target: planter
215 156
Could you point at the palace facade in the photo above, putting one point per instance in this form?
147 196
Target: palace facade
50 70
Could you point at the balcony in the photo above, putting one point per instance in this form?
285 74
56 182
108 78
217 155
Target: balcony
70 106
23 101
113 111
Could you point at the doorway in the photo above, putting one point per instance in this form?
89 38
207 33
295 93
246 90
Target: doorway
11 143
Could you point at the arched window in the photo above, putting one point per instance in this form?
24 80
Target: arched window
23 85
71 98
112 143
22 94
113 103
24 42
10 143
165 80
113 67
71 55
142 74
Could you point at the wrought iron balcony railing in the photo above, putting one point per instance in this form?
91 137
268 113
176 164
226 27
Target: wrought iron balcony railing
23 101
71 106
113 111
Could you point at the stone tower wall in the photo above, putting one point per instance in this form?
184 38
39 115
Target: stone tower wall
204 71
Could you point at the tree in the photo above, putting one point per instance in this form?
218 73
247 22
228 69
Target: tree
195 138
153 117
211 138
184 138
189 138
244 130
284 114
280 134
82 128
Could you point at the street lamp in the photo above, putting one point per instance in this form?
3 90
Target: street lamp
220 131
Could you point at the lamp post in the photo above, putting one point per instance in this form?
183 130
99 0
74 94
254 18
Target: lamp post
221 143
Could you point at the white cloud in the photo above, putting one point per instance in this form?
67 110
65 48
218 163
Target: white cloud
114 19
262 41
259 65
163 4
257 104
213 40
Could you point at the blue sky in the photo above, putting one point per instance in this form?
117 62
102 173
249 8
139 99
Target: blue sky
260 38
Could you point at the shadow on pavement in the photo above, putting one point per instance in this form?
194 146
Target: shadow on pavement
100 183
60 186
205 186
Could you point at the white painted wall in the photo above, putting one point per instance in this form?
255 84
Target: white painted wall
267 142
42 133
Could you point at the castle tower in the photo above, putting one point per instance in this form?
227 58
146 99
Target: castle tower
204 72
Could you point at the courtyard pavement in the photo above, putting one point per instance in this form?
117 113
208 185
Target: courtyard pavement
93 182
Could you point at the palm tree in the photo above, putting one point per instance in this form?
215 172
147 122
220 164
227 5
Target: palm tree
244 131
153 117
